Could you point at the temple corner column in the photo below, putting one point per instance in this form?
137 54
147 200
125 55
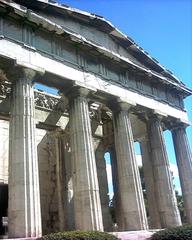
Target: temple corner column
184 163
24 212
165 194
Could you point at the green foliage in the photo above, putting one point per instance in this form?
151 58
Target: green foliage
177 233
79 235
180 205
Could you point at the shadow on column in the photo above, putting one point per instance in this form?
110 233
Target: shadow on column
3 209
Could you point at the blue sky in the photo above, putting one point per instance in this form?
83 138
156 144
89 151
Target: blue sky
163 28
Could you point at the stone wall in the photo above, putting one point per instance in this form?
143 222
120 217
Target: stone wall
47 173
47 177
4 143
55 173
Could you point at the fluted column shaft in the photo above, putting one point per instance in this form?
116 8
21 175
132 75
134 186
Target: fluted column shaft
149 184
184 162
88 215
60 180
116 202
165 195
132 208
24 198
103 186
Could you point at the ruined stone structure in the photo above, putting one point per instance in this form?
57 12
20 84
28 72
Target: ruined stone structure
110 94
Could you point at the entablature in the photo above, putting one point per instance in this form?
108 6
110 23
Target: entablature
97 29
64 50
61 76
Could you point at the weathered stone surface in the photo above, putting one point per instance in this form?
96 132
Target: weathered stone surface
184 162
24 197
87 205
103 185
154 218
116 197
165 195
88 79
4 135
132 215
84 50
48 180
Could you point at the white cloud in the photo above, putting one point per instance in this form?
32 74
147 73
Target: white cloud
139 160
111 194
174 170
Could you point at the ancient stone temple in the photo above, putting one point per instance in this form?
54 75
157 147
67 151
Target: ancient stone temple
111 93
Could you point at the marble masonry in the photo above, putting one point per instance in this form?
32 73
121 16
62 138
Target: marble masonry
109 93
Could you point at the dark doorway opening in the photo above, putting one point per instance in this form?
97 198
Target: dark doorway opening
3 206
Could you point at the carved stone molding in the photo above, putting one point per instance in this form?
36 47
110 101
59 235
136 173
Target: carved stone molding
49 102
5 89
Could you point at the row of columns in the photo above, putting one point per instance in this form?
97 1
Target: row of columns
24 201
162 206
132 214
162 201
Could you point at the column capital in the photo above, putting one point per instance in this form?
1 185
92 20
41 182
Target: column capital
177 125
156 116
144 138
23 73
27 73
151 115
117 104
57 133
76 91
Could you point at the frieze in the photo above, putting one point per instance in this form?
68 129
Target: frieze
5 90
95 110
49 102
42 99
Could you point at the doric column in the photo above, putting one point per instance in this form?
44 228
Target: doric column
24 201
87 205
132 208
184 162
165 195
116 202
149 183
103 186
60 167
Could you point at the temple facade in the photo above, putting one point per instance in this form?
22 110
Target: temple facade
111 93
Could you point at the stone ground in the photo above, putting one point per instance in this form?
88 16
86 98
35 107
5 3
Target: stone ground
135 235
